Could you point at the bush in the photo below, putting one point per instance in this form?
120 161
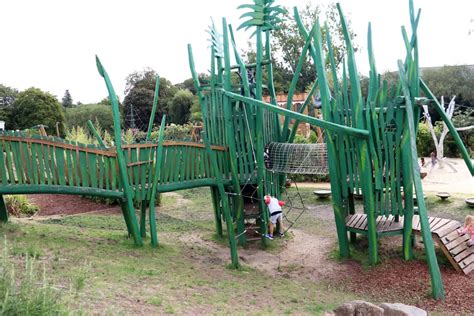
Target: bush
34 107
78 116
19 205
24 290
424 141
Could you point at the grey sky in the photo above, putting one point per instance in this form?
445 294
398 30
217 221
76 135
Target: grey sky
51 44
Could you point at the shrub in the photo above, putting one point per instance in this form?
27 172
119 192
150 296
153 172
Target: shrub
424 141
19 205
78 116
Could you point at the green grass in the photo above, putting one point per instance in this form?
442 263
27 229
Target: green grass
92 258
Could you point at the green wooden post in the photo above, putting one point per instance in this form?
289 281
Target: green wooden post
217 210
153 109
143 218
408 193
230 133
436 281
128 194
96 134
225 203
3 210
154 188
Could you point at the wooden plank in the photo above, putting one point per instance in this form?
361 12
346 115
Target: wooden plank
355 219
101 165
443 222
447 254
19 170
92 164
48 142
3 170
469 268
416 222
459 248
434 222
466 261
350 219
461 256
53 164
84 168
379 222
77 168
69 168
170 143
456 242
47 167
26 158
41 168
60 165
388 222
449 232
363 224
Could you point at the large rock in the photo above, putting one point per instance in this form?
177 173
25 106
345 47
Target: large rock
399 309
358 308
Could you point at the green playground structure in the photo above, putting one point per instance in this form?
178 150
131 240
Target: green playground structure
370 145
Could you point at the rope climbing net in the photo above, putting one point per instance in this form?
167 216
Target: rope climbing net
297 158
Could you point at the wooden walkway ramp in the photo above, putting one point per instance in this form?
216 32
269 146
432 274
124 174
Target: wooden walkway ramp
444 232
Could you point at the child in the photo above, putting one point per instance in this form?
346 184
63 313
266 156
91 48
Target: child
274 208
468 229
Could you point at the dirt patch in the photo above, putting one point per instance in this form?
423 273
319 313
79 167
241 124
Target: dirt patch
59 204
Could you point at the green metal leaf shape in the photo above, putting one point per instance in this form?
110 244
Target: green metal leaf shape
100 68
215 39
262 13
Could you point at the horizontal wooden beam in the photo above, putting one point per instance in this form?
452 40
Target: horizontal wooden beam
105 152
58 189
207 182
355 132
171 143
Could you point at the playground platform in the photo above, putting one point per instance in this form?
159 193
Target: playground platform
444 232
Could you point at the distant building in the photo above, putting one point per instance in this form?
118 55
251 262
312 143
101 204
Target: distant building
296 104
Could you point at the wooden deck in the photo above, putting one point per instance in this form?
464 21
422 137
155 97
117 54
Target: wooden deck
444 232
358 223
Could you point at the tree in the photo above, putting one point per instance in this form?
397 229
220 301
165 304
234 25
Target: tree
34 107
196 114
439 142
139 93
180 106
7 98
452 80
287 44
67 100
189 83
79 115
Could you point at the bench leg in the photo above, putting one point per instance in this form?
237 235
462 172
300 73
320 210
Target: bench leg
3 210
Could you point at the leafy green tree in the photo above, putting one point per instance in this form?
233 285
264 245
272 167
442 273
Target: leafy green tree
7 98
180 107
196 114
78 116
287 43
189 83
139 93
34 107
451 80
67 100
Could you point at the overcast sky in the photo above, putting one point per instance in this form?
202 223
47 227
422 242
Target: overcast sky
51 44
